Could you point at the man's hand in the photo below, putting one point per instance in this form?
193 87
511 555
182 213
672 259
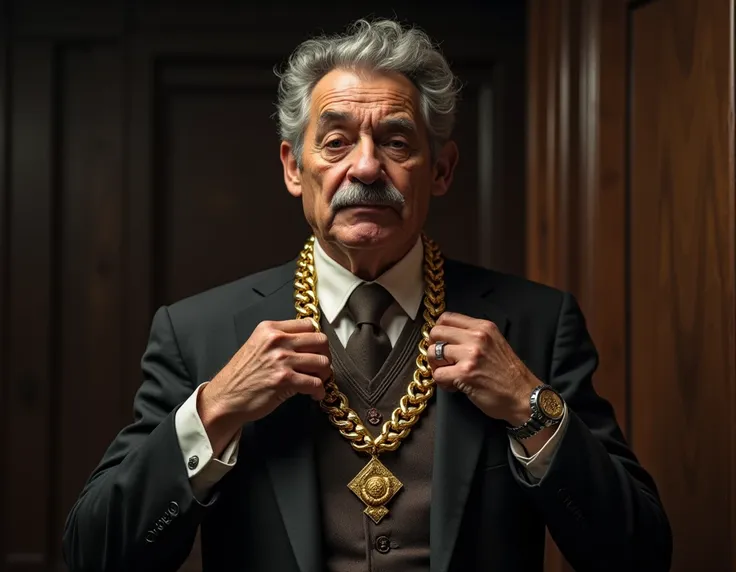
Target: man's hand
279 360
480 363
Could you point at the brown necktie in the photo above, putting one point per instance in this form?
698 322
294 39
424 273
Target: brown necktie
368 346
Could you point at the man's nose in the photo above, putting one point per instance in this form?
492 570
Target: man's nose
366 166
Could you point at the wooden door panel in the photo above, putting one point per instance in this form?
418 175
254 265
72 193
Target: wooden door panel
62 379
29 366
654 210
681 274
218 179
87 381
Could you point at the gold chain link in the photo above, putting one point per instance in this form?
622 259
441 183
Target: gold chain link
420 388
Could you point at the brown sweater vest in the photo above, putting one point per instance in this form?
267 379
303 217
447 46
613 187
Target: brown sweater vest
352 541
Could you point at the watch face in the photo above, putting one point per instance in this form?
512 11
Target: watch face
551 404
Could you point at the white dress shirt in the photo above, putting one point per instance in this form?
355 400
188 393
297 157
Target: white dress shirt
405 282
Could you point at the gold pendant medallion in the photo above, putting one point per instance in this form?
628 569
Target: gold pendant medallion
375 485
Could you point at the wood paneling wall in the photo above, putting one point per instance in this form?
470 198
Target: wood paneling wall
631 207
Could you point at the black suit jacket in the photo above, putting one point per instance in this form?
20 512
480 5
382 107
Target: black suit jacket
137 511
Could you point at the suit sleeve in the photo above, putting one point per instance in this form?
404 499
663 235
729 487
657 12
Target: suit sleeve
137 510
601 506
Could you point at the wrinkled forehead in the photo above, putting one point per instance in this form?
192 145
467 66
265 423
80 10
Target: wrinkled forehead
366 100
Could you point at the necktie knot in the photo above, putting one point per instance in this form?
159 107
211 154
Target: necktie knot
368 303
369 346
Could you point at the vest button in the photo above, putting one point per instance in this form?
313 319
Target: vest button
383 544
374 416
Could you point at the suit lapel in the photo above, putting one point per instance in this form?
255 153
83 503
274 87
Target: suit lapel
459 430
289 453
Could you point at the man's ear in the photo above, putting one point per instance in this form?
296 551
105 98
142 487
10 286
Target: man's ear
292 174
444 168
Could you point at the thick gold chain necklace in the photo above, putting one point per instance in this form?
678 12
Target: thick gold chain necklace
375 485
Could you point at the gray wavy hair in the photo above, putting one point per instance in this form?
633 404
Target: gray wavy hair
382 46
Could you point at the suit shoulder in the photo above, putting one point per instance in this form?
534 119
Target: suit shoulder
510 287
226 299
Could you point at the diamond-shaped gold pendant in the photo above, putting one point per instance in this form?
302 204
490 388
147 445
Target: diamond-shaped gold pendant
375 485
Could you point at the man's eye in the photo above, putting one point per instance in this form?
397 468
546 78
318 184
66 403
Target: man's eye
334 144
397 144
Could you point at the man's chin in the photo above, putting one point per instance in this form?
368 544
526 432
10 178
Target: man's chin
364 235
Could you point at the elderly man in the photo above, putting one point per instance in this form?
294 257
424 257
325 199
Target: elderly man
370 406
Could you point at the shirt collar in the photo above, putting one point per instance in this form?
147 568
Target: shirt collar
404 281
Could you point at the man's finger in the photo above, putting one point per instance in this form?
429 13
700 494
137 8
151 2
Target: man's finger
309 342
450 334
308 385
311 364
445 377
295 326
459 321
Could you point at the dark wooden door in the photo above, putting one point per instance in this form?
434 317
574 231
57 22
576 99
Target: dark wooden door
631 206
140 165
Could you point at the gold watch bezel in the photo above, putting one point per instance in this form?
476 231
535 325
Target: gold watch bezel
545 395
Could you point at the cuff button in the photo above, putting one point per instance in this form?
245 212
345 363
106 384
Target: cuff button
193 462
173 508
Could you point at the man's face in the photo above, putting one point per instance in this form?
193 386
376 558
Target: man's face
367 174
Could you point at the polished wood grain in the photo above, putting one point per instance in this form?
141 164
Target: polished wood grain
681 277
542 117
656 234
600 249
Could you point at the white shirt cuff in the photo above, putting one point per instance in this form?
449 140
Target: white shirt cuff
537 464
203 469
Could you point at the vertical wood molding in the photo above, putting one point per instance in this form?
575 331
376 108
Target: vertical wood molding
4 234
601 244
30 316
576 174
90 291
731 271
541 228
486 187
138 79
545 146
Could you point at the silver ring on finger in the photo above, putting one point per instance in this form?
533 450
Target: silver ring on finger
439 351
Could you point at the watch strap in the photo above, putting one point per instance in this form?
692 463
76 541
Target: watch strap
528 429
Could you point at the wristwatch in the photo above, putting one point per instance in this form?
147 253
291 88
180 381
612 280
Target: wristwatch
547 408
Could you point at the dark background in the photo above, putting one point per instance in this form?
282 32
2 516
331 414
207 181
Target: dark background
139 164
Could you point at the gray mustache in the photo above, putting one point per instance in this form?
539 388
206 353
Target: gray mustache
359 194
